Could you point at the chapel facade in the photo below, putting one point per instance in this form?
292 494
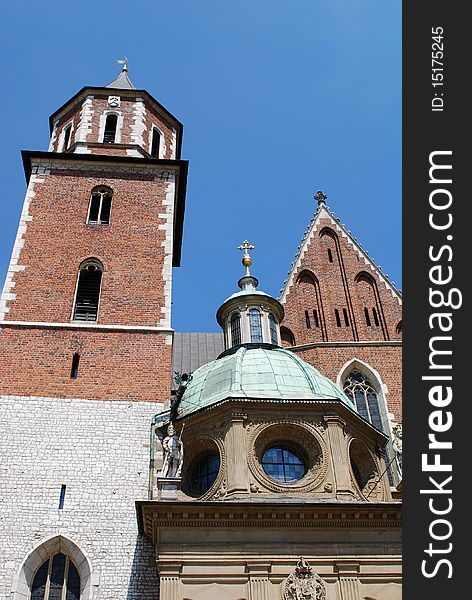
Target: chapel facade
260 463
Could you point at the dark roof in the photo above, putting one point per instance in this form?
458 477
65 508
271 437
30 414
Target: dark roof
192 350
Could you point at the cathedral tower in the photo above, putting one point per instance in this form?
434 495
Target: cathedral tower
85 310
85 342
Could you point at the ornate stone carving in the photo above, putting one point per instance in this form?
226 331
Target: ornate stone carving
304 584
397 446
114 101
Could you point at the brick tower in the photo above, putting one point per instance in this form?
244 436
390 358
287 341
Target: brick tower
86 342
85 311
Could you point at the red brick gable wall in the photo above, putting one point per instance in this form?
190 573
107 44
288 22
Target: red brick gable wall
333 275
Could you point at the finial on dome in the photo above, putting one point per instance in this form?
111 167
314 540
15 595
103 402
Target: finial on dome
320 197
246 260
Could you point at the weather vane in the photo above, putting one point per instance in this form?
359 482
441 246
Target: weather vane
320 197
124 62
247 260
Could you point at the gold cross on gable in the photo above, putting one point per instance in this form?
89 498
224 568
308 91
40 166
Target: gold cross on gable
247 260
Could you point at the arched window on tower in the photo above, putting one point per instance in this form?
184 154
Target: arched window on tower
255 326
288 339
155 142
56 578
360 389
110 129
235 329
87 296
100 206
67 132
273 330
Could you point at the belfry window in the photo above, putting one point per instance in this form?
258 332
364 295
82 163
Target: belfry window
359 388
155 142
87 296
100 206
255 326
56 579
235 329
67 132
273 330
110 129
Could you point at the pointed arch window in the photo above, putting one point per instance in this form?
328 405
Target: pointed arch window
110 129
274 339
100 206
56 579
360 389
235 329
255 326
87 296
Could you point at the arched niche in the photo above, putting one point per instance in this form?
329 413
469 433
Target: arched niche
370 310
23 581
313 319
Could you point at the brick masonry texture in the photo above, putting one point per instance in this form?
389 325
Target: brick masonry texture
332 273
112 365
58 239
100 451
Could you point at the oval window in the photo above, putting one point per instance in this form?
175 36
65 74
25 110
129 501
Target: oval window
204 473
283 464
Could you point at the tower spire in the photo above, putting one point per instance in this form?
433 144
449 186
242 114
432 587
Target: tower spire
122 82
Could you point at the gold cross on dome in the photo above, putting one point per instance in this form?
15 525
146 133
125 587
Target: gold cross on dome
247 260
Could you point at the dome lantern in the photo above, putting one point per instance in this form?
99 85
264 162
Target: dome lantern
250 316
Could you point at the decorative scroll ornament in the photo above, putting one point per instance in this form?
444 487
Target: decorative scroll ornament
304 584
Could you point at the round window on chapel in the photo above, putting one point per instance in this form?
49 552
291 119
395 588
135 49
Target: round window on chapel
204 473
283 464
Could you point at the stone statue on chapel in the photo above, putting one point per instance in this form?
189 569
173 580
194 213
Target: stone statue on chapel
397 447
173 454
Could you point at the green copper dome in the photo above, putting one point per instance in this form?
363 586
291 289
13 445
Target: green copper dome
267 372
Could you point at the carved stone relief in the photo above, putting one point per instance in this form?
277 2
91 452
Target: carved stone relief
304 584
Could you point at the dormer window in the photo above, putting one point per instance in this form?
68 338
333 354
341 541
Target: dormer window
155 142
100 206
255 326
110 129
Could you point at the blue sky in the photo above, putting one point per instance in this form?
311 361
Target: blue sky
278 99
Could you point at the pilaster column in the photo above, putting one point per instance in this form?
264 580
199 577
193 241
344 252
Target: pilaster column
258 584
170 586
237 469
348 573
339 456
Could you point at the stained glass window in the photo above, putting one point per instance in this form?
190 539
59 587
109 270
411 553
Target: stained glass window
205 472
359 388
283 464
56 579
255 324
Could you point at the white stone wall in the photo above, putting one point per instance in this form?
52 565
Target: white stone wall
100 451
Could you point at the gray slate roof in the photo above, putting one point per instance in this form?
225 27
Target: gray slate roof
122 82
192 350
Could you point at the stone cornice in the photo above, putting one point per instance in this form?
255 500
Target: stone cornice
87 326
359 344
153 515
